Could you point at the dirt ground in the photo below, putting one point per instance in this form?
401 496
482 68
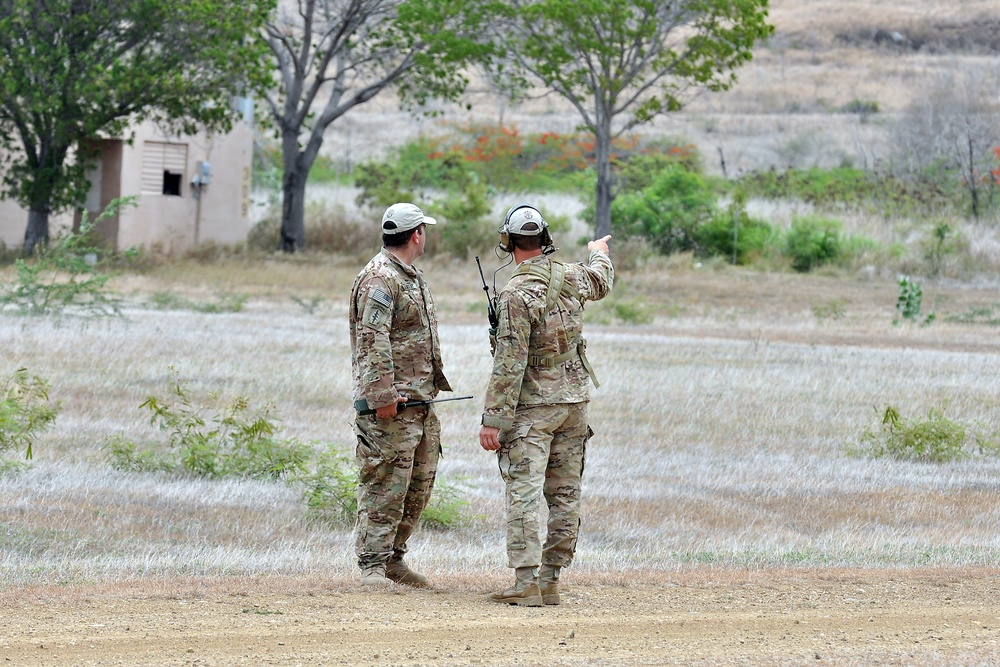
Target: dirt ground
788 617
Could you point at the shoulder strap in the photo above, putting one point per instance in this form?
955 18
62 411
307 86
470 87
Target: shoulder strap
554 278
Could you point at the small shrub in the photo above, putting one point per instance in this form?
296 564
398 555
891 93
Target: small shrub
616 309
123 454
25 410
446 509
718 237
464 228
942 247
236 441
812 242
331 494
935 439
910 301
331 489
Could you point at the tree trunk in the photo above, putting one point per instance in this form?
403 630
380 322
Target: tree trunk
38 229
604 182
297 165
973 184
293 209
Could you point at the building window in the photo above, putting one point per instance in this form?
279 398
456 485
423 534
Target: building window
163 167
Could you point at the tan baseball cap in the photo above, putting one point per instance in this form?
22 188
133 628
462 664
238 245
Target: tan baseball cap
404 217
525 221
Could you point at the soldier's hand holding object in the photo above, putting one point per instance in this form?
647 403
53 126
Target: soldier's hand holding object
389 411
489 438
599 244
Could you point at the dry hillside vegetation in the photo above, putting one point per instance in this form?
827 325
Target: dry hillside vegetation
786 109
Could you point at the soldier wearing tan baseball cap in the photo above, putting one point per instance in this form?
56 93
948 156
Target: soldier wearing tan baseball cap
403 217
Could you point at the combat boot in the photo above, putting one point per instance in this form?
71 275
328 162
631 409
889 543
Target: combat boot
397 571
524 592
548 584
374 575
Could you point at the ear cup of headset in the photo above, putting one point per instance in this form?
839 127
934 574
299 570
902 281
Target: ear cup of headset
504 245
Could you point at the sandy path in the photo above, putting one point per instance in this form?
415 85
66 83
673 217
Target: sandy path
761 619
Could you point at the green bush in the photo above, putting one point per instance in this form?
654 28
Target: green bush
235 441
883 193
812 242
617 309
668 212
25 410
935 439
331 489
910 301
988 315
239 441
331 494
446 509
716 237
833 309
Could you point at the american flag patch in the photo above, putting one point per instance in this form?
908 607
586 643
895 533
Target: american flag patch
380 297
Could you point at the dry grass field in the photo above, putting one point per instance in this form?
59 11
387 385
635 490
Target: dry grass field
726 519
722 509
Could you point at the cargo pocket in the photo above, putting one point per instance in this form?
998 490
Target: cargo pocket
515 432
372 453
510 455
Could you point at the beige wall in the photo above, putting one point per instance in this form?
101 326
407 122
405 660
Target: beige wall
217 212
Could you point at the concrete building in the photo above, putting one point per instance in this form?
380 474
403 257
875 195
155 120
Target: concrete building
189 189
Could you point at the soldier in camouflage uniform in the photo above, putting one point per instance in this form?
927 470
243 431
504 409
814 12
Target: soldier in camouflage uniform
535 416
396 356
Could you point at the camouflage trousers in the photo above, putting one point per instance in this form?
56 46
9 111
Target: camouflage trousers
397 463
542 456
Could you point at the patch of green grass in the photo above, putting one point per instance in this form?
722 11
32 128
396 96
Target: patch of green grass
224 303
988 315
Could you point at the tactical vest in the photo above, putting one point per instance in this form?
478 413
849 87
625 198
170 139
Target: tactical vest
554 277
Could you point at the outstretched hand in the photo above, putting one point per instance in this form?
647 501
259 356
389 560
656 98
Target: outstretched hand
599 244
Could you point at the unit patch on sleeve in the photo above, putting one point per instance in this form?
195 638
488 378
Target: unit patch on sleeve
378 309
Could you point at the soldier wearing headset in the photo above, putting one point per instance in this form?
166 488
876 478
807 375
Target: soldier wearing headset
535 415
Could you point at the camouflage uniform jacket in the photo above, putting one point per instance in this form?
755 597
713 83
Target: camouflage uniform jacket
527 336
395 349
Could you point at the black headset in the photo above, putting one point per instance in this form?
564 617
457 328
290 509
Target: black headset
505 244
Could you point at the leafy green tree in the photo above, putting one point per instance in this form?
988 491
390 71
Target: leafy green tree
74 70
334 55
621 64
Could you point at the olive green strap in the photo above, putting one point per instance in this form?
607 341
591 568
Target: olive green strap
580 350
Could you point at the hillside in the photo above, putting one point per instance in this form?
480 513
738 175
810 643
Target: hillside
786 109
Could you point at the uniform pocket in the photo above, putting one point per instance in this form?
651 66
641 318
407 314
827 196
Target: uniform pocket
515 432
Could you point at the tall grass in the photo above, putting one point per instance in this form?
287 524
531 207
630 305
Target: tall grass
721 431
